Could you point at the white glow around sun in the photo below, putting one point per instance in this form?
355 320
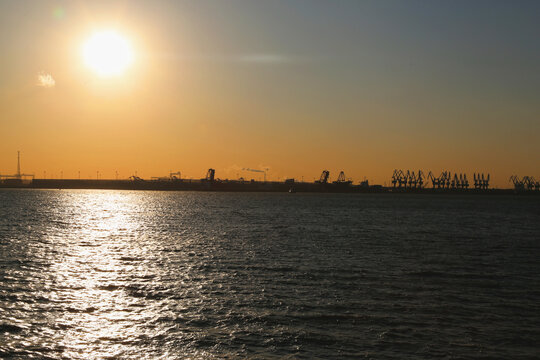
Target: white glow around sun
107 53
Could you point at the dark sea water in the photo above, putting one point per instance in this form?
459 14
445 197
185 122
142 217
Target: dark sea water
173 275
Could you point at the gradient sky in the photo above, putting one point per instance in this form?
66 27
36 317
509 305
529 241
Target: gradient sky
295 86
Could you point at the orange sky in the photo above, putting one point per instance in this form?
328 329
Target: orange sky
297 90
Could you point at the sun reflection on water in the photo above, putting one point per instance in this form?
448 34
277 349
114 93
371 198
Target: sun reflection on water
102 253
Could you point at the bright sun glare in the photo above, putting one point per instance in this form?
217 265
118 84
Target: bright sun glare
107 53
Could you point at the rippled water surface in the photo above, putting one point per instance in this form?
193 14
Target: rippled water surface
170 275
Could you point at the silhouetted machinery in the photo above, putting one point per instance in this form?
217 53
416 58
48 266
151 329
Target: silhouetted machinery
464 181
481 182
398 178
531 183
525 183
341 180
459 181
417 180
210 175
175 176
408 179
435 181
324 177
446 181
519 184
446 176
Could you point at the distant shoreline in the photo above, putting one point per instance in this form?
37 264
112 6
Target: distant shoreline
246 186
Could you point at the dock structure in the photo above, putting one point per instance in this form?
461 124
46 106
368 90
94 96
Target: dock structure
403 181
207 183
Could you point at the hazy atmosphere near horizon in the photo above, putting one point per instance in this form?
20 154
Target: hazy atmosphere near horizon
292 86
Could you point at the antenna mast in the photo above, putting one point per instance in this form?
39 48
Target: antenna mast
18 165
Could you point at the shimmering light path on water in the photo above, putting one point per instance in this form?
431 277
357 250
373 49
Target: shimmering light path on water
149 275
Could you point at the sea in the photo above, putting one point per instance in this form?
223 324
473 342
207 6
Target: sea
90 274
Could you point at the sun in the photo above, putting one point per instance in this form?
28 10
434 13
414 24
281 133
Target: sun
107 53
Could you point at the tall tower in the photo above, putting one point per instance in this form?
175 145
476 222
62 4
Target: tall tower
18 165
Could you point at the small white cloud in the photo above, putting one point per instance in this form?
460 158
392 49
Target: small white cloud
45 80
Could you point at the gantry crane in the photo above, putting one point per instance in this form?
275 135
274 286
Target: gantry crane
525 183
324 177
210 175
481 182
409 179
341 179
